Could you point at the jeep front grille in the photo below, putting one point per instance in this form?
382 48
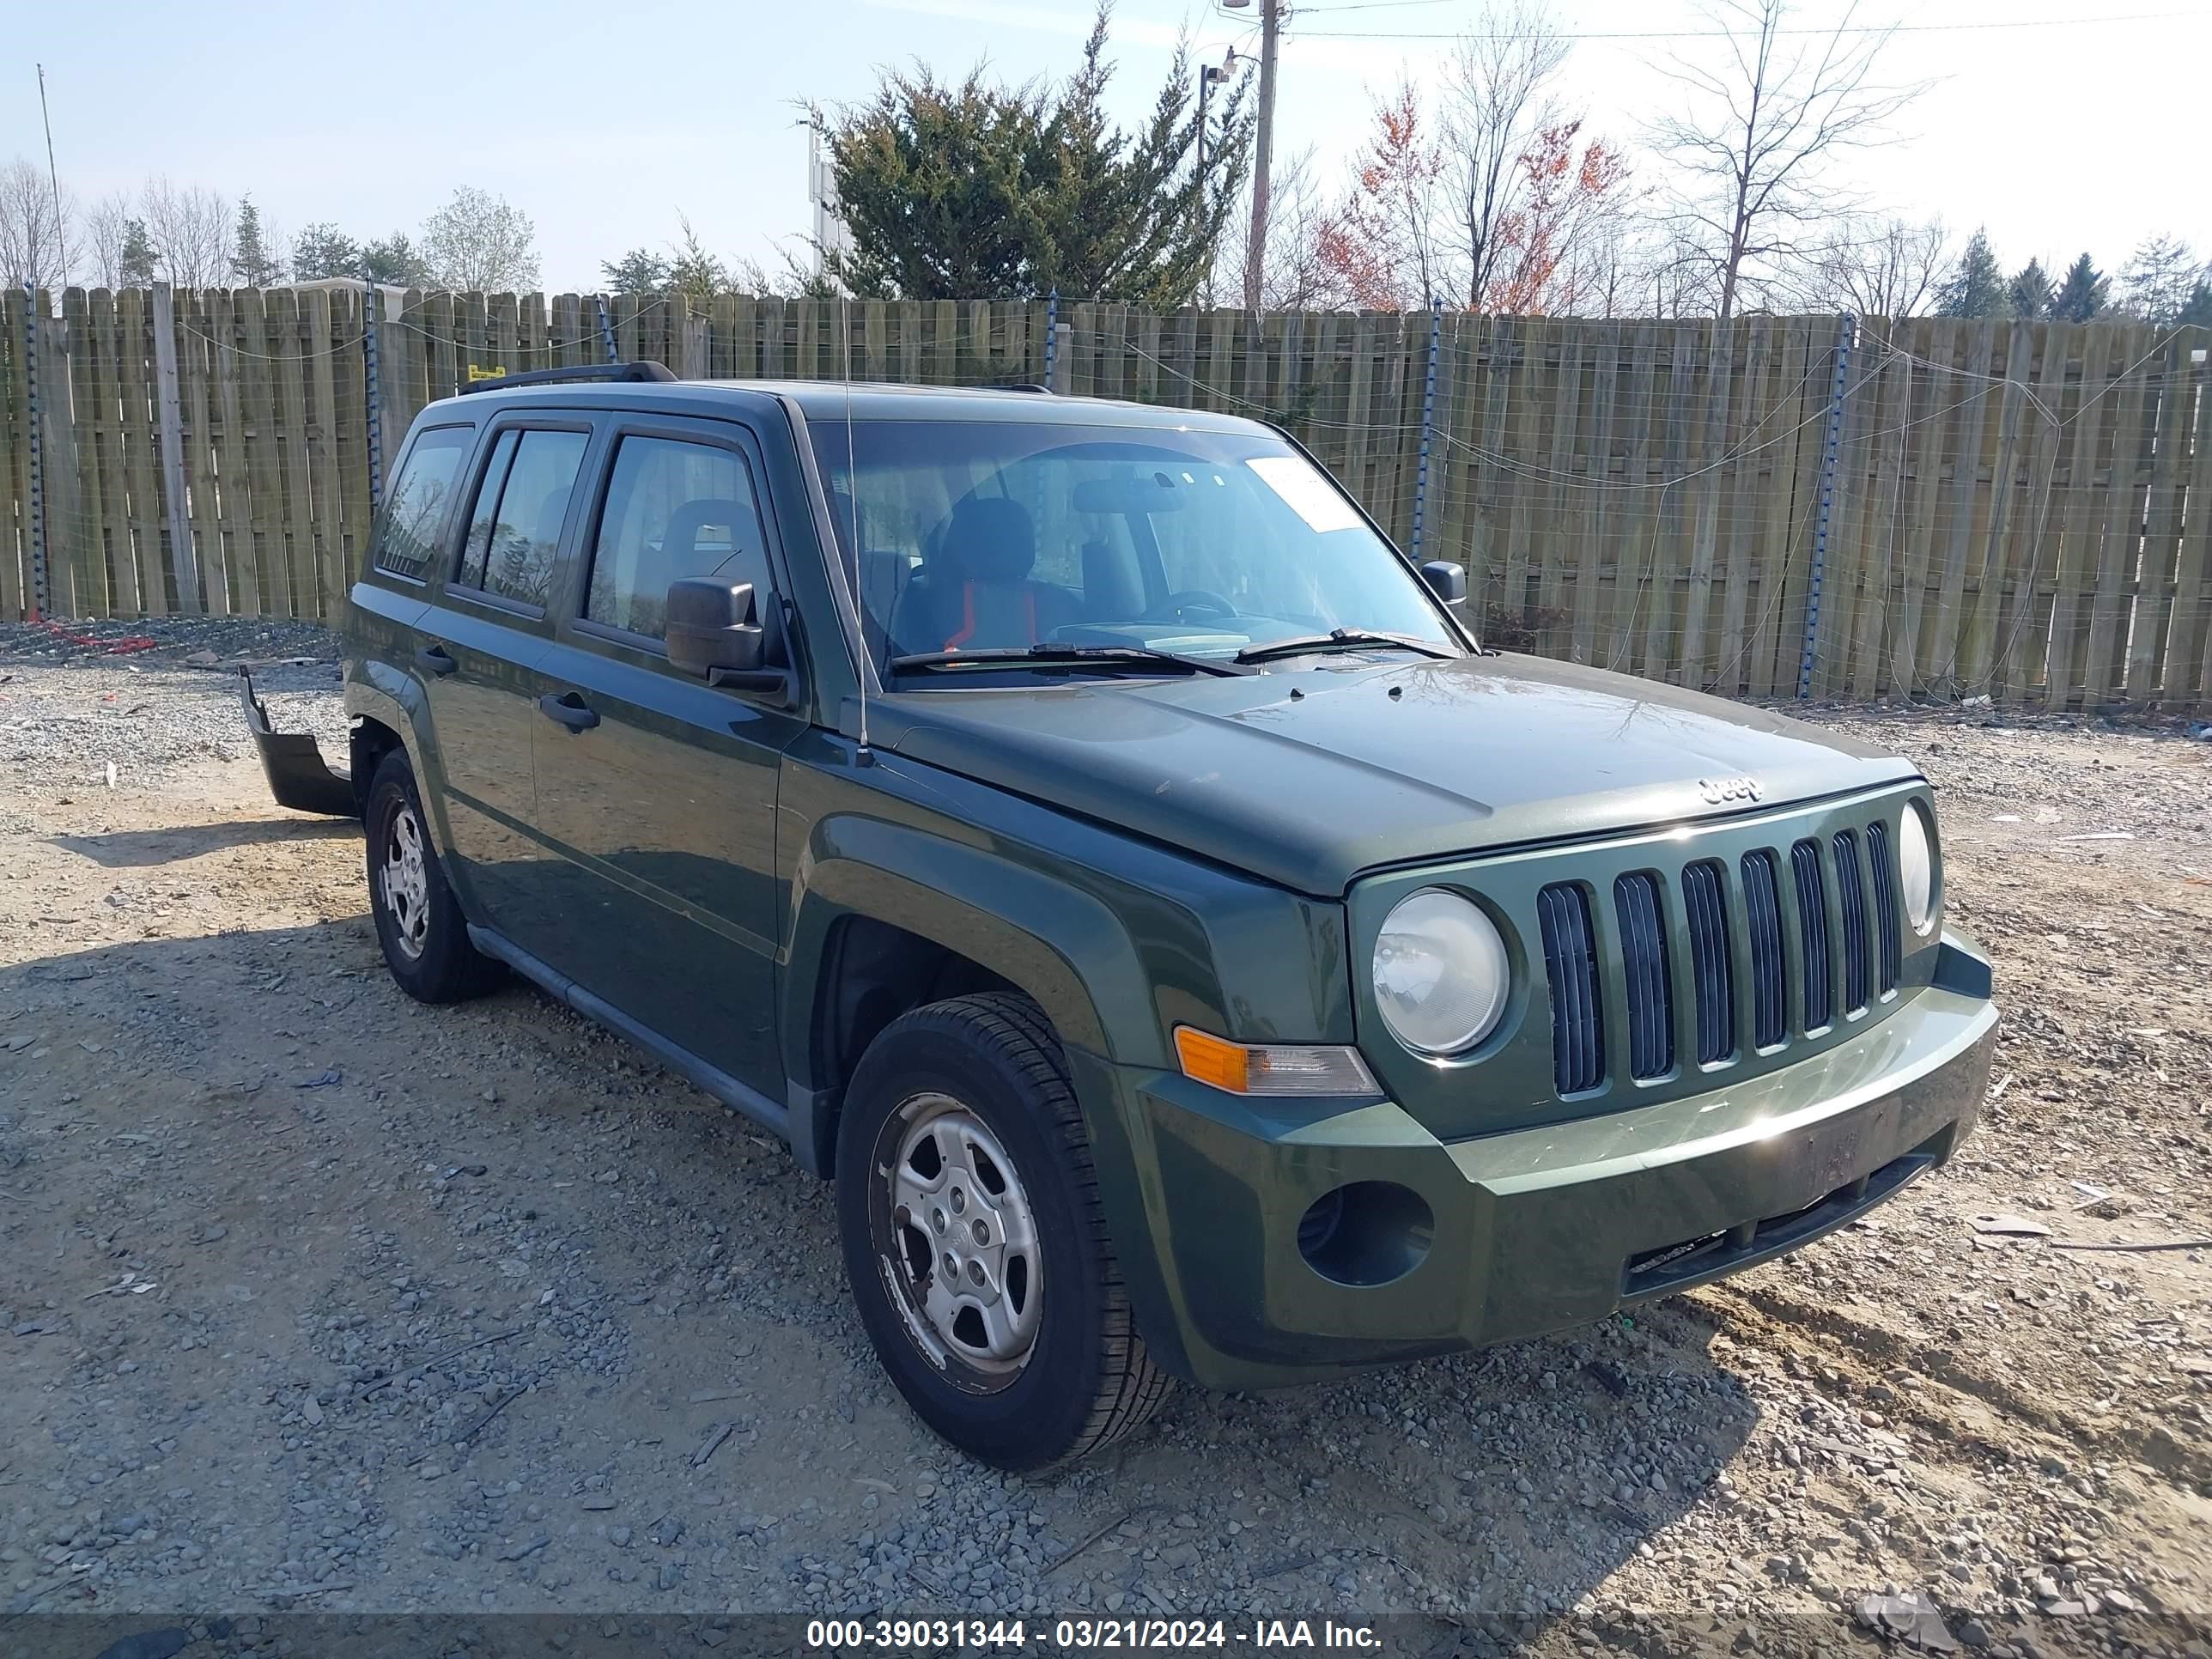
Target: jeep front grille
1851 892
1711 961
1570 967
1885 908
1644 963
1811 934
1804 952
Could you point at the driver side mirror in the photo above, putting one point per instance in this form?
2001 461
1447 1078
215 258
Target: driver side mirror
713 631
1446 580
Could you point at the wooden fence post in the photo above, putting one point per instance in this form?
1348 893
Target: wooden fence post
184 560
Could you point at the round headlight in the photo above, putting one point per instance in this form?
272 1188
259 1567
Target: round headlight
1915 863
1441 973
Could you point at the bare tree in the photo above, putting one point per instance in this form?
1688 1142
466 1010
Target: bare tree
34 236
1761 131
1295 277
100 243
191 228
1497 102
1875 269
481 243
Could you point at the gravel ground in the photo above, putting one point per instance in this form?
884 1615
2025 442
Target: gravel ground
313 1298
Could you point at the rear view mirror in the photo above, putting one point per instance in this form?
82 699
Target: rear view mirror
1147 492
1446 580
711 627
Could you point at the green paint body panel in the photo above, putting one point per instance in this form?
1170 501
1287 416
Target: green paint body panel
1138 854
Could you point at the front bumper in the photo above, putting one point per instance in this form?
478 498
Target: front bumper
292 763
1531 1230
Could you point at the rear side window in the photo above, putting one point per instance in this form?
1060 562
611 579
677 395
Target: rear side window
674 509
520 505
415 507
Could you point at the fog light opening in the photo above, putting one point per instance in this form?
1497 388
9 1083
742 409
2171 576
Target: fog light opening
1366 1233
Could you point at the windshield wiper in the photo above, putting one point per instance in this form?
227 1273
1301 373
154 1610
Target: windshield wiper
1341 639
1048 654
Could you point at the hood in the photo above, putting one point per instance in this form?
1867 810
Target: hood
1310 776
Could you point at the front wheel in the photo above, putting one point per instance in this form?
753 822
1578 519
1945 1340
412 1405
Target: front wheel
418 921
974 1239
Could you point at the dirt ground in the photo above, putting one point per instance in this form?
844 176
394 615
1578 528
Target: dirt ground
311 1298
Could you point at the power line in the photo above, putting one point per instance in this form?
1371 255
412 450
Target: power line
1716 35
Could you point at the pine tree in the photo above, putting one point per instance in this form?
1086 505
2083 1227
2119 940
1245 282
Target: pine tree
2197 313
138 267
322 250
1976 287
640 271
394 260
2082 295
253 263
2159 277
971 190
2029 291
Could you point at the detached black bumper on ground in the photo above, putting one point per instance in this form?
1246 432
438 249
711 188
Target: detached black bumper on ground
298 775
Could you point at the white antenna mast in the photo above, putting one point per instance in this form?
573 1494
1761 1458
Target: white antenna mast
864 756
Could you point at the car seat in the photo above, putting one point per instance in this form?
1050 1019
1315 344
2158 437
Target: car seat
974 593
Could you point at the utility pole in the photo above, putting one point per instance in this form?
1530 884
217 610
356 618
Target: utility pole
1255 251
54 179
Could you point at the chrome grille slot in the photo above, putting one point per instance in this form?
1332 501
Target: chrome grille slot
1762 914
1570 966
1851 893
1711 965
1651 988
1887 931
1820 1008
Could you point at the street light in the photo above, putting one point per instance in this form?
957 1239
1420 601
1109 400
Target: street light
1211 76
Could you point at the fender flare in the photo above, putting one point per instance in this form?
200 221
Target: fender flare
393 699
1062 947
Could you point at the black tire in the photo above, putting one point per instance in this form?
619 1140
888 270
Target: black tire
426 947
1085 1380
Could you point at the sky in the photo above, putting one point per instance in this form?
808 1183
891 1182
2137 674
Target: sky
606 123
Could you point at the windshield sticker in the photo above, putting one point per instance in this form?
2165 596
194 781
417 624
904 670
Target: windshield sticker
1309 495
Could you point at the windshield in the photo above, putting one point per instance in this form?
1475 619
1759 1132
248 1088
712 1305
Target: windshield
980 536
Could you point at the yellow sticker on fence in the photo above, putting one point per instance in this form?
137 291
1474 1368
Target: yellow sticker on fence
496 373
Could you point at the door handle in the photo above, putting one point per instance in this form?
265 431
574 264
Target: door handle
570 709
435 659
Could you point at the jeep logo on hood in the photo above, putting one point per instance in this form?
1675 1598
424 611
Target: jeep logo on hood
1718 792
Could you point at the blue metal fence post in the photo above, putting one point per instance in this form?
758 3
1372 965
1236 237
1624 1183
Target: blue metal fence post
1428 423
1827 503
37 455
372 386
606 327
1051 336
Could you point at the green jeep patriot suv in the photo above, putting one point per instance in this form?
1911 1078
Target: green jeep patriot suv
1079 832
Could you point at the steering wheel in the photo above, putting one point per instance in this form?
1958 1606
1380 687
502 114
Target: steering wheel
1190 598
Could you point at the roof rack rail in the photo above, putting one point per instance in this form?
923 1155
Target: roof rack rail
643 370
1020 386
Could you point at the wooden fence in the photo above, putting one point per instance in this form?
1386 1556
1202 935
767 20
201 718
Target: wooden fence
1924 506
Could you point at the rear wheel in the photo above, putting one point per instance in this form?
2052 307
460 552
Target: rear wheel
974 1239
418 921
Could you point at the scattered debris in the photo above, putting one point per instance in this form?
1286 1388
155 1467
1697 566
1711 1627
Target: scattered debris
715 1437
322 1079
1911 1619
700 1396
2163 1244
2009 1226
486 1415
463 1170
414 1371
2101 834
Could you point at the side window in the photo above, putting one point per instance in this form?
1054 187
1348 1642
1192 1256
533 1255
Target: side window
415 509
516 527
674 509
